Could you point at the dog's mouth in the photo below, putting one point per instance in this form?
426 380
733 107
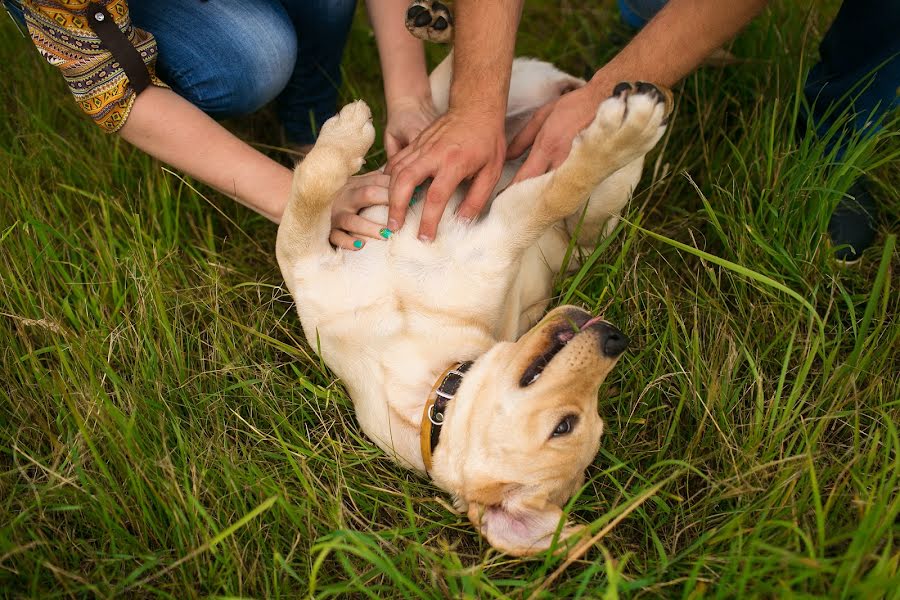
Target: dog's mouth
571 325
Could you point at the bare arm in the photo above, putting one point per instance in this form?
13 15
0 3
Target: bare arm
168 127
469 140
406 89
672 45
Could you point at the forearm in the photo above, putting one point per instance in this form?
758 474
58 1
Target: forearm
675 42
402 55
485 38
170 128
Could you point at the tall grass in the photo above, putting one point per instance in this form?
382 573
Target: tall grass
166 431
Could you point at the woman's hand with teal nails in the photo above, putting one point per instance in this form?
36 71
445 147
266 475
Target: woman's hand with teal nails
348 226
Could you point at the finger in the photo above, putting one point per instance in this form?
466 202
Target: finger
342 239
478 194
370 195
436 199
358 226
525 138
372 178
399 157
535 165
408 159
402 185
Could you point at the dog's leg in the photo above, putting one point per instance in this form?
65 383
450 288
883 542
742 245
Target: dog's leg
339 152
626 127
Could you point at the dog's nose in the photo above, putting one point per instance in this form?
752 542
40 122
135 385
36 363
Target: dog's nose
613 341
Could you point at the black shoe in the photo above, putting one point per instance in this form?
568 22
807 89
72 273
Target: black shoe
852 225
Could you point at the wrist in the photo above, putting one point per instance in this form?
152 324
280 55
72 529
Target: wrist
485 111
599 87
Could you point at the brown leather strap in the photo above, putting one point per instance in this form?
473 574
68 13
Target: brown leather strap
443 391
118 44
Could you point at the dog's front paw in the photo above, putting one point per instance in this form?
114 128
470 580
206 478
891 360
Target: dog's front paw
351 132
632 120
430 20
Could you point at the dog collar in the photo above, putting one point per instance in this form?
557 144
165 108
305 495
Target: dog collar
442 393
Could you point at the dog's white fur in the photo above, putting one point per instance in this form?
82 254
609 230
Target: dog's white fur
389 319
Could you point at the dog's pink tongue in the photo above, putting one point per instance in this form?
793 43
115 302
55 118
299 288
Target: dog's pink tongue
592 321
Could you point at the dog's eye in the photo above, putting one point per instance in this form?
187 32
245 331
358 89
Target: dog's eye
565 426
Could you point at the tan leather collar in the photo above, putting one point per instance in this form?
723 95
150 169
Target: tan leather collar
442 392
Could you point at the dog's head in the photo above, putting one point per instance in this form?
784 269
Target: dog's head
524 426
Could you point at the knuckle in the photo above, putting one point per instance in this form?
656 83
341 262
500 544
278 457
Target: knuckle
370 193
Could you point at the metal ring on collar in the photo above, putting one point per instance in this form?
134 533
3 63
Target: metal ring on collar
435 418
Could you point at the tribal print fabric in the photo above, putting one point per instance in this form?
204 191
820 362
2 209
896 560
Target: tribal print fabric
62 33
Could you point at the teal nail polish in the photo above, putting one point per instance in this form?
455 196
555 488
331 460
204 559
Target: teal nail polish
357 244
415 195
385 233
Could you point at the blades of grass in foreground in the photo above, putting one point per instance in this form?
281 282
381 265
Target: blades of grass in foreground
741 270
882 280
218 539
582 547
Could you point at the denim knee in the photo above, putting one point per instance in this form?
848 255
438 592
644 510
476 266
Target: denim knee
229 57
310 97
636 13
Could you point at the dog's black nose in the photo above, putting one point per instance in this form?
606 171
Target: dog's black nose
613 341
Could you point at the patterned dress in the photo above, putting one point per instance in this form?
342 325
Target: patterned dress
65 32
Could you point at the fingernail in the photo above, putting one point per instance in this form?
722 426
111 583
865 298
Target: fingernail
393 225
385 233
465 220
358 244
424 238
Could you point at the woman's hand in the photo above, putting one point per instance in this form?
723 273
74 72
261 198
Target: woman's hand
348 226
407 118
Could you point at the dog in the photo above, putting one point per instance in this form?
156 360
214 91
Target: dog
441 346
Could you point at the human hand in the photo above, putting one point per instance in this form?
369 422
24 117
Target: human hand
407 118
551 130
347 224
456 146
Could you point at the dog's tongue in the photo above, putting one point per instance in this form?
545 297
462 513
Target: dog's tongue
592 321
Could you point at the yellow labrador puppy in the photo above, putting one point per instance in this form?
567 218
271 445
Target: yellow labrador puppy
428 338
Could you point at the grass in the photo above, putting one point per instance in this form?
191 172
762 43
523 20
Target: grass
165 431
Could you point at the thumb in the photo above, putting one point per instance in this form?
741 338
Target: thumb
536 164
525 138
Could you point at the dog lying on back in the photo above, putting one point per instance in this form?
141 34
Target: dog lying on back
441 346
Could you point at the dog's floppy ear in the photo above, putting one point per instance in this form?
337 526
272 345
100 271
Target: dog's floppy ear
520 528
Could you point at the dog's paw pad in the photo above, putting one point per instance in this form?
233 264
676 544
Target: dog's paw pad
656 95
430 20
624 87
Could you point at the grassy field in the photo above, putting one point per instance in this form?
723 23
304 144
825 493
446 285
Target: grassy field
165 430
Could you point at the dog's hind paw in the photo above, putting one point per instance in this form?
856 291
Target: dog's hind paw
350 132
430 20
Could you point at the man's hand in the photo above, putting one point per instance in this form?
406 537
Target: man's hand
551 130
360 192
455 147
407 118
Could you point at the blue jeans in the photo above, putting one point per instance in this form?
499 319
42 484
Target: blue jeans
232 57
859 70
